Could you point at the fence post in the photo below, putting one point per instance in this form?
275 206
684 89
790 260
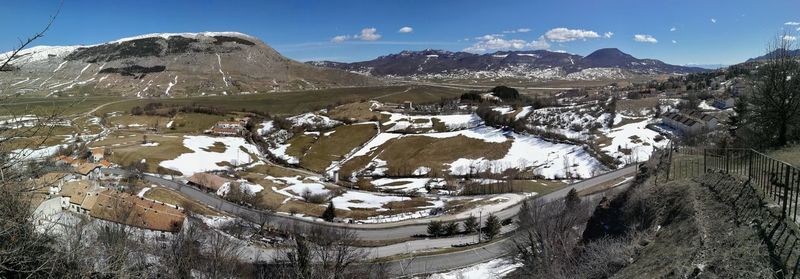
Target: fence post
749 164
705 155
727 162
786 190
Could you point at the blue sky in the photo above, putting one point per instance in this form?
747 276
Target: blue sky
705 31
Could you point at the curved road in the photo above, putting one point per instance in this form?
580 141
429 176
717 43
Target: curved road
370 232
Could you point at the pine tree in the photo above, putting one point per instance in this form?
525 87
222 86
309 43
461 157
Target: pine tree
451 228
330 213
492 227
572 199
736 119
471 224
435 228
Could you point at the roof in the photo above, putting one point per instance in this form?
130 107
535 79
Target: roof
208 180
76 191
680 119
89 201
701 116
85 169
65 158
219 130
229 123
135 211
105 163
98 151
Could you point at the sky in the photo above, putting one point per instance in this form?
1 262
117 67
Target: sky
674 31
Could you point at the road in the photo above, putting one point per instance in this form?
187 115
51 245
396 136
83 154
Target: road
370 232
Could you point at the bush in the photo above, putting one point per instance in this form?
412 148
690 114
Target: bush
314 198
451 228
505 93
330 213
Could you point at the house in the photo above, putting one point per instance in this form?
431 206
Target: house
725 103
681 123
138 212
690 123
207 181
88 170
73 195
407 105
227 128
97 154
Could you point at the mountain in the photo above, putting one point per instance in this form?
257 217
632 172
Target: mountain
536 64
168 64
775 53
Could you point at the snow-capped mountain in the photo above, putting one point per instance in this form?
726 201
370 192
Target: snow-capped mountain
166 64
536 64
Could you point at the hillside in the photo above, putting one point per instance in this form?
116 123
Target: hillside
175 64
537 64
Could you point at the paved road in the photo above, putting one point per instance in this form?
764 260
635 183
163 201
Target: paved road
384 231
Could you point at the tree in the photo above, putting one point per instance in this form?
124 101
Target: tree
505 93
736 119
776 99
471 224
435 228
572 199
451 228
330 213
492 227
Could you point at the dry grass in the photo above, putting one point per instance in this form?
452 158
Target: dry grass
218 147
333 147
169 148
299 144
634 107
171 197
406 154
359 112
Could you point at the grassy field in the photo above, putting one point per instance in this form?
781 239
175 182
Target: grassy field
46 106
789 154
289 103
406 154
129 149
171 197
334 146
358 111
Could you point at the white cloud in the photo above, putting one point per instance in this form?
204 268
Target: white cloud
644 38
673 29
518 30
674 41
406 29
789 38
565 35
608 34
713 20
497 42
340 38
368 34
792 23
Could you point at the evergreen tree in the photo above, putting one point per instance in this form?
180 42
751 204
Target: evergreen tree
492 227
736 119
435 228
572 199
471 224
330 213
451 228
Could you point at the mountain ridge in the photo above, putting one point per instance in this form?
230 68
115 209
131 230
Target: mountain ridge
609 62
167 64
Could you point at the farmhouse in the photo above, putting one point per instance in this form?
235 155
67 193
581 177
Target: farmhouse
52 181
207 181
88 170
724 103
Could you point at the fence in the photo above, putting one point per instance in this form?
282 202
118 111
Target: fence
777 181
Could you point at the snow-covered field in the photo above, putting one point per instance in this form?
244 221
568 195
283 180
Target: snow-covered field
551 160
313 120
634 136
406 184
452 122
201 160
